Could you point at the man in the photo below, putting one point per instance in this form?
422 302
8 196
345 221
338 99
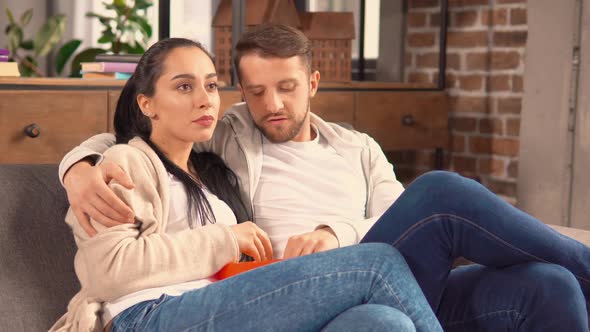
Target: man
314 186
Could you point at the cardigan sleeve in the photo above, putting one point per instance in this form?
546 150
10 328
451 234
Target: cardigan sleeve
126 258
93 147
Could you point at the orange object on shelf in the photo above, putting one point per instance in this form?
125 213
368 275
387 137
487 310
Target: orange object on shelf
232 269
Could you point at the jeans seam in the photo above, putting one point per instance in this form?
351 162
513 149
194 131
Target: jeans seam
453 217
215 316
516 312
153 304
127 324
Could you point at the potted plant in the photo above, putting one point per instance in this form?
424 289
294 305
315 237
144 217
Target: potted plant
27 50
128 31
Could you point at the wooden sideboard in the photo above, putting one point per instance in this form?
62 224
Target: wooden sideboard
42 119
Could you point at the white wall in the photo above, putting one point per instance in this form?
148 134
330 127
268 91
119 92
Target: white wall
553 178
192 19
18 7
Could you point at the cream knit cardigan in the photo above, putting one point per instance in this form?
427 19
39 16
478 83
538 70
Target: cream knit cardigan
131 257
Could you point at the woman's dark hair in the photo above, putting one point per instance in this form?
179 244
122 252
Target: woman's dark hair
130 122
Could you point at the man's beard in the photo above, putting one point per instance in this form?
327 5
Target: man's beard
289 133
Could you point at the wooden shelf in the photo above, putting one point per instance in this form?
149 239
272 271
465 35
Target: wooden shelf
79 83
62 82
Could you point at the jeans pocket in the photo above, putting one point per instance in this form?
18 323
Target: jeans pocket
155 304
135 316
130 317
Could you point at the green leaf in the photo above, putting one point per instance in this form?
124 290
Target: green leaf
107 36
120 7
142 4
27 44
108 32
64 54
133 28
106 39
125 48
104 20
138 49
128 48
143 25
27 71
88 55
119 3
10 16
26 17
92 14
15 38
49 35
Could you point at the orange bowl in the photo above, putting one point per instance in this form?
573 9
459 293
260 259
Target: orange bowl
232 269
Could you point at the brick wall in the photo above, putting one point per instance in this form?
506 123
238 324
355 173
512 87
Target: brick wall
485 65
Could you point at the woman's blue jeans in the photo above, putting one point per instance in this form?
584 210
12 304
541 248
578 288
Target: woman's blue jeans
367 287
528 277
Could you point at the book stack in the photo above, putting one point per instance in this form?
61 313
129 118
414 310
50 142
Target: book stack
110 66
4 55
131 58
7 69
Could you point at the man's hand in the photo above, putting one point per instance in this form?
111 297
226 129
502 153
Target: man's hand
308 243
253 241
89 195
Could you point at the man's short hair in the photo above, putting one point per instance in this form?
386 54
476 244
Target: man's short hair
273 40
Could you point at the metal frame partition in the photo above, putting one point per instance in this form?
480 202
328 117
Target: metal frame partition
238 26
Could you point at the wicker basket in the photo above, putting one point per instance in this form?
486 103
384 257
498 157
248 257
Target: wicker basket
331 35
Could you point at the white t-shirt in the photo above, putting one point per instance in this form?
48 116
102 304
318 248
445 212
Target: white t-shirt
303 185
177 222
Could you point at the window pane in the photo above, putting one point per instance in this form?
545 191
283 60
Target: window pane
192 19
401 38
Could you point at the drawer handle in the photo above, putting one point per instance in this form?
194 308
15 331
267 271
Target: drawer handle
33 130
408 120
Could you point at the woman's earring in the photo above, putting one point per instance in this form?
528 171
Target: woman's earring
148 114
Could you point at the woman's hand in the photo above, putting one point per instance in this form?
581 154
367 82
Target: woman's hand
253 241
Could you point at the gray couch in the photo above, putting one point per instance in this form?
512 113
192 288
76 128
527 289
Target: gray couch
37 248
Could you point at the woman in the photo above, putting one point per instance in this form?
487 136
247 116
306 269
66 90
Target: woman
156 274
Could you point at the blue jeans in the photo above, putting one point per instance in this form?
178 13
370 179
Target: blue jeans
531 278
367 287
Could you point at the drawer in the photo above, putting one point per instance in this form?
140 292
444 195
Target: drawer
228 98
64 119
403 120
113 97
334 106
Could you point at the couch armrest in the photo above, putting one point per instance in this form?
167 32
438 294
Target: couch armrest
577 234
580 235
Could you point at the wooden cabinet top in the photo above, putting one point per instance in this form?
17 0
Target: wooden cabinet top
14 83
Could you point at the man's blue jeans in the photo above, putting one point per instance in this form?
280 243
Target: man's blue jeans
531 278
367 287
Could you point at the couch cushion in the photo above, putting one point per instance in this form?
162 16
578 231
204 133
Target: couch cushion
580 235
36 248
